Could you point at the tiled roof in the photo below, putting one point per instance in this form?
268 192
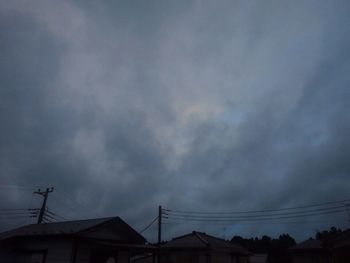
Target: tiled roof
76 227
308 244
199 240
342 240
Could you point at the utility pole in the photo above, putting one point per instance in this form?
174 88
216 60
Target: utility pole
347 209
160 212
45 194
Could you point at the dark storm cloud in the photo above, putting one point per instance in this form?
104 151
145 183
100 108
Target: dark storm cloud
34 124
197 106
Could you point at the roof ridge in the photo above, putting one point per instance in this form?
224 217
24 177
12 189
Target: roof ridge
105 221
198 235
178 237
218 238
79 220
25 227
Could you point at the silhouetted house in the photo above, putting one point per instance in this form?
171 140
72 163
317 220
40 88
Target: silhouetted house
144 258
340 247
310 251
258 258
198 247
84 241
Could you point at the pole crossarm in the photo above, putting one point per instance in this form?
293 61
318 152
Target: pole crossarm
45 194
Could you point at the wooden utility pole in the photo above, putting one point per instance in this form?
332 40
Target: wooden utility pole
160 213
45 194
160 224
347 209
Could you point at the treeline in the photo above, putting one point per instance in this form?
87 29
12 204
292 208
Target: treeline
328 234
277 248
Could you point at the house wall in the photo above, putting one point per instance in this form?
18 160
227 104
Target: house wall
341 255
89 253
82 252
58 251
123 257
229 258
223 259
204 257
243 259
6 255
187 257
258 258
310 258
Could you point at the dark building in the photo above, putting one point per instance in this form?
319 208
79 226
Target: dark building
198 247
334 250
109 240
310 251
340 247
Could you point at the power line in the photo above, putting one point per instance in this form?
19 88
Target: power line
15 217
327 209
65 195
259 211
47 220
250 219
309 210
19 211
13 209
243 223
149 225
55 215
29 187
45 194
49 216
14 214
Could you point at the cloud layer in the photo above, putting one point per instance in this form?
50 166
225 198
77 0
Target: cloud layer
123 106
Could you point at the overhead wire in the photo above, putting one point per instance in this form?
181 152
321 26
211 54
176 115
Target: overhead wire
149 225
34 187
47 220
259 211
9 212
305 212
14 217
252 219
56 216
65 195
259 215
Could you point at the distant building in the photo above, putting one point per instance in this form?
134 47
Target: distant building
258 258
198 247
104 240
340 247
335 250
310 251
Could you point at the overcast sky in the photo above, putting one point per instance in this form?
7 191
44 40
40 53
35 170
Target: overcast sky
194 105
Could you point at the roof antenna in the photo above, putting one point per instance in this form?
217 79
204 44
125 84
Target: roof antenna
224 233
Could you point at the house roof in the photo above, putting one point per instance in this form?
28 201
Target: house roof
308 244
342 240
94 228
200 240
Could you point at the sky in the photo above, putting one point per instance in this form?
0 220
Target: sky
193 105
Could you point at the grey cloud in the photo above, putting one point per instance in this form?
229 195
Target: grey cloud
198 106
